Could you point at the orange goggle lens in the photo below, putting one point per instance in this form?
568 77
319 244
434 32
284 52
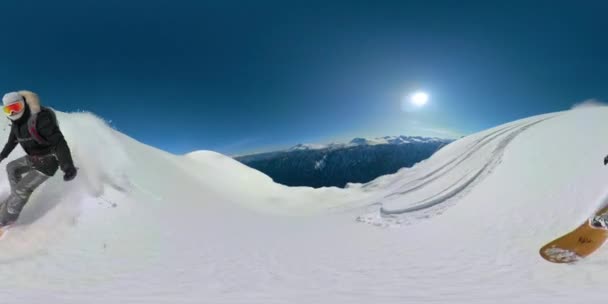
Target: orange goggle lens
13 108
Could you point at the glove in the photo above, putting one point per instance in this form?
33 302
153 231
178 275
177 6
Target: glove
69 174
606 160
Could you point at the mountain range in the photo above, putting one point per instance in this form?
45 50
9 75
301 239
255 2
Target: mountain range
337 164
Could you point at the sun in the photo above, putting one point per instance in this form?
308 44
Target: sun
419 98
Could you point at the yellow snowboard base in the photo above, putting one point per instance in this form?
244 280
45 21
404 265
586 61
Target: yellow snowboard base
3 231
576 244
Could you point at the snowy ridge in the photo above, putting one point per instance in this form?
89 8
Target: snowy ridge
481 163
140 225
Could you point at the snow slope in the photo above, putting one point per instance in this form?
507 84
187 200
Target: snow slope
139 225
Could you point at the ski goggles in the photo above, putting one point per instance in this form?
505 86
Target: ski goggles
13 108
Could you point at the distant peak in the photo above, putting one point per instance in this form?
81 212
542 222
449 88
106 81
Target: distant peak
300 147
359 141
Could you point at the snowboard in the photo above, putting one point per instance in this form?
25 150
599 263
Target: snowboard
576 244
4 231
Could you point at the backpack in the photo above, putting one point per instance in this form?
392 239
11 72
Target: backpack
32 128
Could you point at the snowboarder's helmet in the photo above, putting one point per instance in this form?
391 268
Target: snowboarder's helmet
14 105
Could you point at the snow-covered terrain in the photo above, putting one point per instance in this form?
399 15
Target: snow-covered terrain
139 225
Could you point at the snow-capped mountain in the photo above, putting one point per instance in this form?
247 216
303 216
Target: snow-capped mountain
139 225
300 147
358 161
359 141
397 140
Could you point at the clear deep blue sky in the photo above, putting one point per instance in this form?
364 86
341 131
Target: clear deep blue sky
242 76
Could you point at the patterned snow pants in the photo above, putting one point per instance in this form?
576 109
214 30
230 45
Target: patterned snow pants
23 179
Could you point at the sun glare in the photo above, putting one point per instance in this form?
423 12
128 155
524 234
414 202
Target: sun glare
419 98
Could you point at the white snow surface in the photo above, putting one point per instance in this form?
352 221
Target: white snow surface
139 225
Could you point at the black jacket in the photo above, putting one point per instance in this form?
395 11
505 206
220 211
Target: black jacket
44 158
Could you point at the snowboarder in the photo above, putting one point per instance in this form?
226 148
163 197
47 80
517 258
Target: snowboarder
36 129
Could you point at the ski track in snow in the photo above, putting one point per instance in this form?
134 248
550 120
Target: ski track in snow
429 177
463 156
453 163
439 201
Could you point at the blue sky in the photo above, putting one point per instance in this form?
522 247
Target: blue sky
244 76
